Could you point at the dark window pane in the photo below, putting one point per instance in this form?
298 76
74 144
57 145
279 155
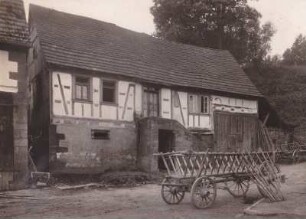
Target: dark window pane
100 134
109 84
108 95
203 105
82 80
109 88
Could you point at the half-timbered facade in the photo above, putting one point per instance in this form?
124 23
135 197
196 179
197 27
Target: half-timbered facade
106 98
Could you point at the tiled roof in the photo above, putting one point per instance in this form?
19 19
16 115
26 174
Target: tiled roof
74 41
13 26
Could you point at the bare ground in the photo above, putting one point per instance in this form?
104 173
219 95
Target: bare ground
136 202
294 190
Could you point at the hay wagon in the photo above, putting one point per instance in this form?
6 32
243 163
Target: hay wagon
201 173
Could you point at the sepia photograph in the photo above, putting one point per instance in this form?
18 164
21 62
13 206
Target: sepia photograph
179 109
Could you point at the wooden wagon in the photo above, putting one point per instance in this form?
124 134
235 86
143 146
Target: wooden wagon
201 172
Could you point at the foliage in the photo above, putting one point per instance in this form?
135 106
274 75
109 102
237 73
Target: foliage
285 88
232 25
274 60
296 55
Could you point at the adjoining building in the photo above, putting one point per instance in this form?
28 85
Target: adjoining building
14 44
107 98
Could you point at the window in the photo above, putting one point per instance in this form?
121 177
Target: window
109 91
150 102
198 104
204 105
82 88
100 134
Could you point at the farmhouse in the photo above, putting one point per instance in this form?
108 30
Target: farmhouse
107 98
14 44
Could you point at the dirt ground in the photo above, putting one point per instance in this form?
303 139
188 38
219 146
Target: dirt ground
136 202
294 190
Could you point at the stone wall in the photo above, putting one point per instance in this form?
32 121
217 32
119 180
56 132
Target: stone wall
17 177
149 140
74 150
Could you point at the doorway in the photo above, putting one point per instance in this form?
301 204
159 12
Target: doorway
165 144
6 133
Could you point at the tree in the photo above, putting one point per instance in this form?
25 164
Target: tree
266 33
221 24
274 60
296 55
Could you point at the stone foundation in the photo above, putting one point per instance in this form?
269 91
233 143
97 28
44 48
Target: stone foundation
149 141
79 152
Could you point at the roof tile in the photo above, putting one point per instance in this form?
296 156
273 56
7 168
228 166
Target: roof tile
13 26
75 41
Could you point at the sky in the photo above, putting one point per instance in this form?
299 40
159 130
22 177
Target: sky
288 16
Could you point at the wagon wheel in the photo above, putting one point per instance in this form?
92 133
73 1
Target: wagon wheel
172 194
267 169
203 192
238 187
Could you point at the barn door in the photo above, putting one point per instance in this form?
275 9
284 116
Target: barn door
6 134
234 132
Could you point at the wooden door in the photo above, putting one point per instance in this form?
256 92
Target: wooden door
6 134
234 132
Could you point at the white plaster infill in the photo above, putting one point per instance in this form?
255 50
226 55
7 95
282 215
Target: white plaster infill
6 67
